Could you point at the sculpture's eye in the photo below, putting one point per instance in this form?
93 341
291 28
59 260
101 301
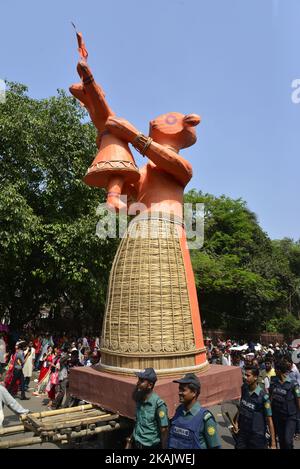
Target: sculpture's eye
171 119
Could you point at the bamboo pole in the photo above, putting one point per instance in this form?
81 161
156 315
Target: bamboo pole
79 421
12 429
20 442
57 412
57 438
64 417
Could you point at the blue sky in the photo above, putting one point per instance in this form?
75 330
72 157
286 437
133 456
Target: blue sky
231 61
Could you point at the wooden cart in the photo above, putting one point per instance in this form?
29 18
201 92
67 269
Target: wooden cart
60 426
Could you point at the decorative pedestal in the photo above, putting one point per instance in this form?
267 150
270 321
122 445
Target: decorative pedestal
113 392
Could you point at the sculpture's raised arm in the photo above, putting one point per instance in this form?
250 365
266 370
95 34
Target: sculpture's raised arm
114 164
92 96
88 92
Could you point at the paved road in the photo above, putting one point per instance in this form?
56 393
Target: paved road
39 403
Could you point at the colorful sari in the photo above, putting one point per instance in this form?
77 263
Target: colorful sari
44 375
9 375
53 380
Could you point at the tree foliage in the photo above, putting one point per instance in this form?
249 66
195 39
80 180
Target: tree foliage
50 255
243 278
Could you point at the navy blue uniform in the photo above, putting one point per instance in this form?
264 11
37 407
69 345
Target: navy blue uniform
193 429
254 408
284 407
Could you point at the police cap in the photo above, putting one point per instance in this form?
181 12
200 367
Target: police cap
148 374
189 378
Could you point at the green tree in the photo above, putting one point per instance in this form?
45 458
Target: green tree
242 281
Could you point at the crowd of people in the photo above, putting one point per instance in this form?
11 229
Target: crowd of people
230 353
269 408
234 353
51 356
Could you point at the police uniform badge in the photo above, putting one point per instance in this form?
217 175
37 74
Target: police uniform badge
211 431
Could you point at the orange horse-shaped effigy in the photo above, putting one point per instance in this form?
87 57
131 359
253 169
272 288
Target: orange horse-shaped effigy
152 315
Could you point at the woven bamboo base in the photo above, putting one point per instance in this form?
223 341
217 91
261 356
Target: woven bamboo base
164 365
148 317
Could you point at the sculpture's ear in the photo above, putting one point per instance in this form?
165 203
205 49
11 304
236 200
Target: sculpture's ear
191 120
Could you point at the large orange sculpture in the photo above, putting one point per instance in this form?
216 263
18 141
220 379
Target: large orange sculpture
152 316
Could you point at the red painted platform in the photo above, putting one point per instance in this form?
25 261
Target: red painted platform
113 392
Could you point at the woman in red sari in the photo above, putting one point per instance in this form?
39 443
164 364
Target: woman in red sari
44 375
9 374
53 380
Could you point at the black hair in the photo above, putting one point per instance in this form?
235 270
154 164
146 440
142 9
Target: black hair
282 366
269 358
288 359
194 388
254 370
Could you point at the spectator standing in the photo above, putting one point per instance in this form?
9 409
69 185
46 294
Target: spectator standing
87 357
18 371
37 343
219 358
63 381
45 370
85 342
2 354
97 342
269 373
29 357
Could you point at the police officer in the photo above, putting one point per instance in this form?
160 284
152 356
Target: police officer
193 426
151 427
254 414
285 400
